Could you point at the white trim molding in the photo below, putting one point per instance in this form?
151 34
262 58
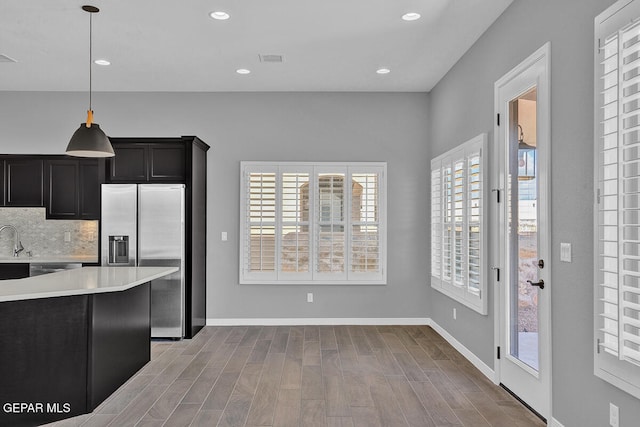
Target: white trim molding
555 423
468 354
323 321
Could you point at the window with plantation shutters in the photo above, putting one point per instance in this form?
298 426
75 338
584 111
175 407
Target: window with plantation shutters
617 208
307 223
457 224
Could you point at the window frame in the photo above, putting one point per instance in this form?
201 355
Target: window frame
609 366
313 276
442 279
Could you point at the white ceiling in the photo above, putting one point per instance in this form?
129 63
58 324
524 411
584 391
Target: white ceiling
173 45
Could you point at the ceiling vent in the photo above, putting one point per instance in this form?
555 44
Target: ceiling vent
271 58
5 58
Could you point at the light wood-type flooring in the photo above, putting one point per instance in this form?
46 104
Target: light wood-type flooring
360 376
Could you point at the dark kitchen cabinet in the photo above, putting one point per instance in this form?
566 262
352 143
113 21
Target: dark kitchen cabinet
142 162
70 353
91 173
2 189
14 270
72 188
69 188
129 163
62 189
178 161
24 179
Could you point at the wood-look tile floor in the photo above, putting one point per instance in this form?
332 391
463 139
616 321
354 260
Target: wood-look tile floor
360 376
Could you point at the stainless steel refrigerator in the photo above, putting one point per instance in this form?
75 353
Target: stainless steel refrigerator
144 225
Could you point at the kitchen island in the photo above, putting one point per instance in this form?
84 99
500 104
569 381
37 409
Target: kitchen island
69 339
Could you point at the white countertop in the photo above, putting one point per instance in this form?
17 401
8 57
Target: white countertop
80 281
48 259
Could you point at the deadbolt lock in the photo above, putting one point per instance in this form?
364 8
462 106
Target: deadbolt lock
541 264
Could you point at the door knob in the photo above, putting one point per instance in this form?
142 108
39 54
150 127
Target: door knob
539 284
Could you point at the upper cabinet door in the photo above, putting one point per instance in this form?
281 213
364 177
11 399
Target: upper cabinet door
62 189
72 188
166 162
24 182
91 173
130 163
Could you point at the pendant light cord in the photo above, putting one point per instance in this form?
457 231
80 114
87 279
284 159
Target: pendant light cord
90 56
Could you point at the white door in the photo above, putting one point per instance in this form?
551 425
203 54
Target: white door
523 259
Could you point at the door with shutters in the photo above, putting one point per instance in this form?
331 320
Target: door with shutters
523 248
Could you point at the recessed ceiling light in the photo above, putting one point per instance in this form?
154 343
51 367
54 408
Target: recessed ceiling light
101 62
411 16
383 71
243 71
220 15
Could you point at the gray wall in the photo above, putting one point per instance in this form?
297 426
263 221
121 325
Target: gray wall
267 126
461 107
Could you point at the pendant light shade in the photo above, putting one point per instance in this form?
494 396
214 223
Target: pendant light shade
89 140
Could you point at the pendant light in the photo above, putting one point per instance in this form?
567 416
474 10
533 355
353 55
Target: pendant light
89 140
526 158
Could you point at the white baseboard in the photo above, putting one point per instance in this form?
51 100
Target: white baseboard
475 361
303 321
555 423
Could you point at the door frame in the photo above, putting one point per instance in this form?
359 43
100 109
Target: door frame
541 56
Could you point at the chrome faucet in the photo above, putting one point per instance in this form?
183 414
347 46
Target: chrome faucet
17 245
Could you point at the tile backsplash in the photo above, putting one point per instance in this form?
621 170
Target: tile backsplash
46 238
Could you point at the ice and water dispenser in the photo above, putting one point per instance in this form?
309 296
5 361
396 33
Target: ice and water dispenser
118 250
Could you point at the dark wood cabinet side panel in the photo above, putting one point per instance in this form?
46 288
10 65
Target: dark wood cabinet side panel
62 188
120 343
196 295
56 374
25 182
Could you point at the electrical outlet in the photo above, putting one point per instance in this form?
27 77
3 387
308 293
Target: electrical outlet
455 314
614 415
310 297
67 236
223 236
565 252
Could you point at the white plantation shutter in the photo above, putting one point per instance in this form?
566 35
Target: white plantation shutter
294 250
474 222
629 293
330 235
313 223
617 213
261 219
436 218
458 223
447 231
365 224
